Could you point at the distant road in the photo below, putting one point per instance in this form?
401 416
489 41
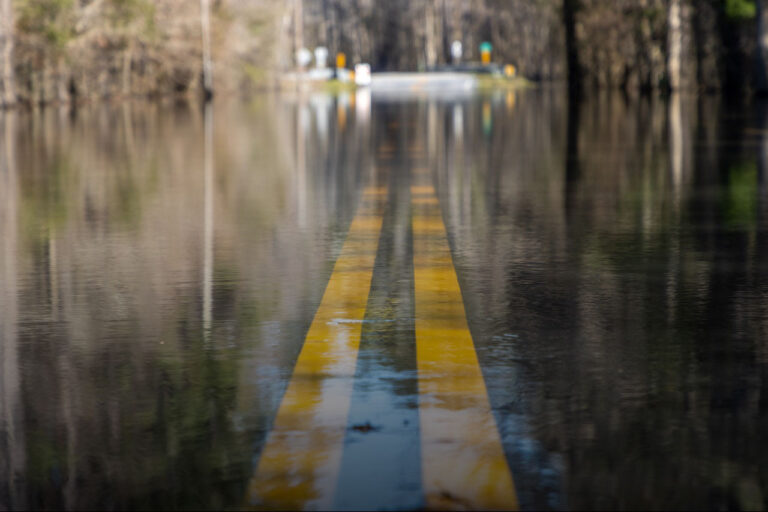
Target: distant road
422 82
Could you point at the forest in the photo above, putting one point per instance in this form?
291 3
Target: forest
70 50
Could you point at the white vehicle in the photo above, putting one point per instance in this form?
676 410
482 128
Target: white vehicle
363 74
303 57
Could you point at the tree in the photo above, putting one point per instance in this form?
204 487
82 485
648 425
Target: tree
7 92
761 74
674 44
572 54
298 26
205 24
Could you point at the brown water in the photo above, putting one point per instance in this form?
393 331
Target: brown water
160 266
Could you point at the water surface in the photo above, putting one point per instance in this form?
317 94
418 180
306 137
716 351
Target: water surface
161 265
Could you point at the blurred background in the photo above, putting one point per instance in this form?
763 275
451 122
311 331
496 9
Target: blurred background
60 50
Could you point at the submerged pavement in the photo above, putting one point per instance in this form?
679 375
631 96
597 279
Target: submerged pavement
387 406
433 83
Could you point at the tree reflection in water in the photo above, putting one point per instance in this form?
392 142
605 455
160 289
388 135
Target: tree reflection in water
158 279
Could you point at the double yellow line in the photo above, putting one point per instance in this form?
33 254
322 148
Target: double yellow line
463 463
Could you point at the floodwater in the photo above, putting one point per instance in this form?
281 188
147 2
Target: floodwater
482 300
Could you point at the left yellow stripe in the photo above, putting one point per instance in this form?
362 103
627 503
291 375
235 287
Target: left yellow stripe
300 463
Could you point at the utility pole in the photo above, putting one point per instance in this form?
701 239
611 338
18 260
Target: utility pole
205 23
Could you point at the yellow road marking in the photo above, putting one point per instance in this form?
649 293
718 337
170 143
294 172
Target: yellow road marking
300 462
463 463
425 200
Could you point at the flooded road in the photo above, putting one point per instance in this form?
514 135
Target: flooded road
467 300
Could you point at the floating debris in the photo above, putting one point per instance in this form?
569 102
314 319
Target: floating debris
364 427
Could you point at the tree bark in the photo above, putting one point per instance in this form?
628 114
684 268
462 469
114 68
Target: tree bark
298 26
8 92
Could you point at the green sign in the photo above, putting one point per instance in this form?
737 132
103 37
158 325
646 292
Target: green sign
485 46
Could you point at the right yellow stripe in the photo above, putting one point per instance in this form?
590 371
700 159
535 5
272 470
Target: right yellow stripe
463 463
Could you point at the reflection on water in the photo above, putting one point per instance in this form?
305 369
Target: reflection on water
161 265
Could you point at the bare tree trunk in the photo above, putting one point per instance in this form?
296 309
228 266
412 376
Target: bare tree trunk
457 15
205 22
761 75
442 42
429 17
335 40
281 49
298 26
8 92
675 44
572 52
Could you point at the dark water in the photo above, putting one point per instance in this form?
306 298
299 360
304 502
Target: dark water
160 266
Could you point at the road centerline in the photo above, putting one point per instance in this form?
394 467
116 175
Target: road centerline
381 464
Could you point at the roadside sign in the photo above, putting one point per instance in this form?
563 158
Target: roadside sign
321 56
341 60
485 52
